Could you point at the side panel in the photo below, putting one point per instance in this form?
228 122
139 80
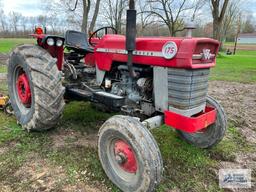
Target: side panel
161 88
99 75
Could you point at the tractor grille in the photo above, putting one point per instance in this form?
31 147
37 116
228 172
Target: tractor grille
187 89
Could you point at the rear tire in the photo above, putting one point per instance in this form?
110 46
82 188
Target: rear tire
141 168
211 135
47 102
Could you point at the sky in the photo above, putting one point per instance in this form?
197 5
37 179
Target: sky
33 8
25 7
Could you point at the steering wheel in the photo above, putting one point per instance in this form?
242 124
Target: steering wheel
95 34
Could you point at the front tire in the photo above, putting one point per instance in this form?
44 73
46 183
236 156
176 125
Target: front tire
129 154
37 98
211 135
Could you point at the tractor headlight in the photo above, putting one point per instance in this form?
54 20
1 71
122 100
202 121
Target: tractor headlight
59 43
50 41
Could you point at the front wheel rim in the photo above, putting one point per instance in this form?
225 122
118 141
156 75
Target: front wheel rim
123 159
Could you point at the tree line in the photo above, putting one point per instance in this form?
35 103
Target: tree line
220 19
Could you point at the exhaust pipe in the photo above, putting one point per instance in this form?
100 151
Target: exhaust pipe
131 36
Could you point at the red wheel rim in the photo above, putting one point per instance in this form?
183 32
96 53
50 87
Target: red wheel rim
125 156
23 89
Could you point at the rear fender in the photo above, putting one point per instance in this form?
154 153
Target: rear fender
55 51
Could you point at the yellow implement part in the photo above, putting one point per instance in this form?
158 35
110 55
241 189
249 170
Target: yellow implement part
3 100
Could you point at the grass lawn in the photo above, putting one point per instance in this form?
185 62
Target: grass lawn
240 67
3 69
7 44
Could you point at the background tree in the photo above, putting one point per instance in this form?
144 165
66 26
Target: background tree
95 15
155 17
218 8
248 26
145 18
172 13
114 13
23 23
86 7
3 21
14 20
230 20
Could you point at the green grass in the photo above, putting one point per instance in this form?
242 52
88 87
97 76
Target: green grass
239 68
233 43
7 44
186 167
3 69
3 87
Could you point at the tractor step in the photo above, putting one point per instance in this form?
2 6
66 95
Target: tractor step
108 99
79 94
112 101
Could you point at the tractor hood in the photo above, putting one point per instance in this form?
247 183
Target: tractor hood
191 53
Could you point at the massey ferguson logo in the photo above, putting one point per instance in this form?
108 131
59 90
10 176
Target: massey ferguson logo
206 54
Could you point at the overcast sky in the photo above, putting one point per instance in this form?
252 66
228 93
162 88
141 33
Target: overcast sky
26 7
33 8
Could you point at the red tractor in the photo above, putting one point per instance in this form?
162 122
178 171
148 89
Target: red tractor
150 80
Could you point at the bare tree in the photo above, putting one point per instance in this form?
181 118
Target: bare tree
114 12
172 13
230 18
23 22
237 32
248 26
42 20
53 22
2 17
86 9
79 14
145 18
95 15
14 19
33 21
219 8
3 20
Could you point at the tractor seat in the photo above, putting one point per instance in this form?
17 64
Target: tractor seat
77 41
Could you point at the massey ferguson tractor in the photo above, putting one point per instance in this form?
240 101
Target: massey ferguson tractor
149 81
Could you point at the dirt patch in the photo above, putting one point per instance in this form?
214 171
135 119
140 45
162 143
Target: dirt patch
38 174
242 47
65 137
4 188
239 102
83 188
3 76
3 58
3 150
